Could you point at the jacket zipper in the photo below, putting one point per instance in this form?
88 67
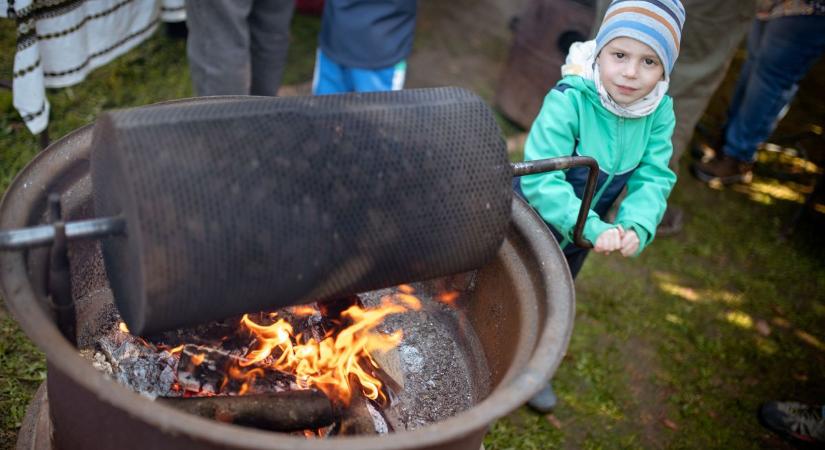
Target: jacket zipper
612 170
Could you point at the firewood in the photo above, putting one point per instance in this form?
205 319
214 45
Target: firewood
281 411
205 369
361 418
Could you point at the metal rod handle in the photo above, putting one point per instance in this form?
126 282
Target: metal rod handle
546 165
43 235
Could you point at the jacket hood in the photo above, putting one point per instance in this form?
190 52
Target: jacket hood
585 86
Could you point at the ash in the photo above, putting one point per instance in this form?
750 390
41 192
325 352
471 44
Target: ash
132 363
442 367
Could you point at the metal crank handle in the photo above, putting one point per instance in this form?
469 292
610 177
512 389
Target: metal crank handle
43 235
566 162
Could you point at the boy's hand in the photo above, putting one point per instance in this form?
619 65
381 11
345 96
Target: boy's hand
630 243
608 241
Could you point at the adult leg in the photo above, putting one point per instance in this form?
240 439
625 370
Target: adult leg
269 42
792 45
218 46
712 33
754 44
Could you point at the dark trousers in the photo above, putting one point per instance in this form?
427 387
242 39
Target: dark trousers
237 47
575 257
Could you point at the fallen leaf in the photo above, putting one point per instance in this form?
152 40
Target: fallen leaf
554 421
762 327
780 322
670 424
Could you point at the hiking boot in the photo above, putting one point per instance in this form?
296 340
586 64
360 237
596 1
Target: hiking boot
544 401
723 169
794 420
672 222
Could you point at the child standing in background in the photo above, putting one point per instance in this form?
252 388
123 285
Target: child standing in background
364 45
611 105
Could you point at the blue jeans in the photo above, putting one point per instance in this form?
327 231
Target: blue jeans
780 53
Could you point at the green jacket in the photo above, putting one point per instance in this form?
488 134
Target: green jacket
631 152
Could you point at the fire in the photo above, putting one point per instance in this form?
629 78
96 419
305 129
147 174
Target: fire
449 298
302 310
334 363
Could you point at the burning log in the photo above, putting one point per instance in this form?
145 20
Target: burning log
281 411
210 371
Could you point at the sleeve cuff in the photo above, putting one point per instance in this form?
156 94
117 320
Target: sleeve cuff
594 227
641 232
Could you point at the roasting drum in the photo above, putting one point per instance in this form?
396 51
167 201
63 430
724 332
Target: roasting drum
245 204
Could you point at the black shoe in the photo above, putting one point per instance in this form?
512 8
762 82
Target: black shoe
794 421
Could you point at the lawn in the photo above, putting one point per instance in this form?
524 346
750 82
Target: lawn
674 349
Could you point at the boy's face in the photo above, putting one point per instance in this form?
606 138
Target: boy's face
629 69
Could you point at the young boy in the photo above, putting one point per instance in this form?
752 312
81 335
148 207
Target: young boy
610 105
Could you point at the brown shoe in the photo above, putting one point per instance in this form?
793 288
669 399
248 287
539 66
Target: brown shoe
672 222
723 169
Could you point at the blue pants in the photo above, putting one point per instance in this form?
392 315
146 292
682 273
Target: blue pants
332 78
780 53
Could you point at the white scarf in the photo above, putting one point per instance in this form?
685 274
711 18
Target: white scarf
581 61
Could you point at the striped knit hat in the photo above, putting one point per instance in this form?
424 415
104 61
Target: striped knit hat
657 23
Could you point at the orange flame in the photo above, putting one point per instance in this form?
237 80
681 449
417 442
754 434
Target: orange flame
198 359
332 364
176 350
302 310
449 297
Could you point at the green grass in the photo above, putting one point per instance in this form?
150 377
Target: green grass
675 349
22 369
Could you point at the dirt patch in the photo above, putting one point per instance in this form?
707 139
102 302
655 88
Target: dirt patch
461 43
650 402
